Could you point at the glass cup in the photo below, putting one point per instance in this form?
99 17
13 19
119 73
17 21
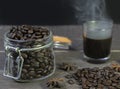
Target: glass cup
97 37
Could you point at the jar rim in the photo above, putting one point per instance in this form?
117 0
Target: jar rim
105 20
28 40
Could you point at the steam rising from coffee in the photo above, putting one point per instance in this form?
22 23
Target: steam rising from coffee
95 9
90 9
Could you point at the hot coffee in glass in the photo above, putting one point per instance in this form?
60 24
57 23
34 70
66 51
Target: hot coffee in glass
97 37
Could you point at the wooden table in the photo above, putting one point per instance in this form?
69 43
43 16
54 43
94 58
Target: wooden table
72 56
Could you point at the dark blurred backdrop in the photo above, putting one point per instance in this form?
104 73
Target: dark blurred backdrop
49 12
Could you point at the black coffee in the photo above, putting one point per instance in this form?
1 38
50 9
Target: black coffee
97 48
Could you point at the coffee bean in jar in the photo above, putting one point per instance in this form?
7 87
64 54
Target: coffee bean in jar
29 53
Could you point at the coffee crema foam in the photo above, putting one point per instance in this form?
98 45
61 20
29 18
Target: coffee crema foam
99 34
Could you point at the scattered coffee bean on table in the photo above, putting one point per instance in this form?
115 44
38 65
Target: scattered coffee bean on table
104 78
70 81
69 76
30 51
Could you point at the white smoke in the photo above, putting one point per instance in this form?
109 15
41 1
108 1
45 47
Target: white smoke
90 9
95 9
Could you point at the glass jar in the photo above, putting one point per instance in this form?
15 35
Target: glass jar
28 60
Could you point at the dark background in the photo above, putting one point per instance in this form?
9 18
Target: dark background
49 12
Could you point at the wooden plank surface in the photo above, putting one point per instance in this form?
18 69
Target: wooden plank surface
70 57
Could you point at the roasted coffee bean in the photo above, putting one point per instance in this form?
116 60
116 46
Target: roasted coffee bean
50 68
88 83
83 79
118 86
13 30
31 77
31 69
71 81
116 76
114 84
30 31
94 84
95 69
38 76
12 35
84 86
103 78
24 71
111 87
24 55
40 55
32 60
32 65
42 65
92 87
25 32
90 79
39 72
36 64
45 72
99 81
26 66
91 75
69 76
38 34
27 61
39 69
114 79
100 86
23 76
107 82
51 63
32 73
